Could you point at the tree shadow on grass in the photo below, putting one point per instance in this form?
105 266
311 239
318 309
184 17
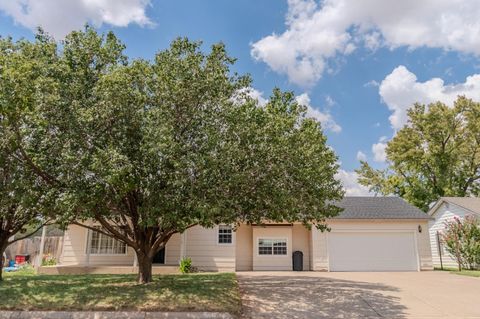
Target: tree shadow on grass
120 292
316 297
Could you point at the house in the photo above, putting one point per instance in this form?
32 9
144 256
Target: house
444 210
371 234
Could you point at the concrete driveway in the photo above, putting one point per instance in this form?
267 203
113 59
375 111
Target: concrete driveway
359 295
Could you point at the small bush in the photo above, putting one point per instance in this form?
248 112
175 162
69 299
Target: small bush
186 265
48 260
462 240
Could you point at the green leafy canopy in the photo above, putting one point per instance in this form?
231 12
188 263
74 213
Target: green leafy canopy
436 154
148 149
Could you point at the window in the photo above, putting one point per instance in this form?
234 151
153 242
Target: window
225 234
105 245
272 246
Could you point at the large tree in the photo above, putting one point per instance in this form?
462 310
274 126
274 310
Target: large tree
436 154
148 149
26 201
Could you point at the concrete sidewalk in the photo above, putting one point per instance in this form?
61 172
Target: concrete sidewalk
112 315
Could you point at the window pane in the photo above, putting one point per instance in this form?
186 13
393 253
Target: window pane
265 246
280 247
94 242
102 244
224 234
272 246
265 242
264 250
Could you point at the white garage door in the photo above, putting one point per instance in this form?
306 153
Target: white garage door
372 251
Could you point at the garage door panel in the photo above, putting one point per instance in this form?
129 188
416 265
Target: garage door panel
372 251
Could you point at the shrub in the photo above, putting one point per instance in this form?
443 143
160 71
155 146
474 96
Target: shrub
186 265
48 260
462 240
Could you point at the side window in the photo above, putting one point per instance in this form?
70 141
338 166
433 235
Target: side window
225 234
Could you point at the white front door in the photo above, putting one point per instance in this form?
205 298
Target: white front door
372 251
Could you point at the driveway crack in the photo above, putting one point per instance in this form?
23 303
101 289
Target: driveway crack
365 301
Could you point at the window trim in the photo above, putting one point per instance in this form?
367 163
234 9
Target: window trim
217 235
98 254
271 255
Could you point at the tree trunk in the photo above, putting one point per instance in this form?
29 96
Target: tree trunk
3 247
457 252
144 268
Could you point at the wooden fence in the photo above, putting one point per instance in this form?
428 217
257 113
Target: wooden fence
31 246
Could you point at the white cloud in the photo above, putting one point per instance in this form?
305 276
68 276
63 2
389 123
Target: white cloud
317 32
372 40
323 117
371 83
242 95
378 150
330 102
401 89
59 17
361 156
351 185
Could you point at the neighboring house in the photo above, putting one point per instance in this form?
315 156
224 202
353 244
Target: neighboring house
445 210
371 234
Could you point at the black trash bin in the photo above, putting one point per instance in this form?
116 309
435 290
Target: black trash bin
297 258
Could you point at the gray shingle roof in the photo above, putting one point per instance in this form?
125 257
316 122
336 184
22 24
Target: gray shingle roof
378 208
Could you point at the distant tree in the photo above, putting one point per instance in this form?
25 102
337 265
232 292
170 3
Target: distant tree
436 154
150 149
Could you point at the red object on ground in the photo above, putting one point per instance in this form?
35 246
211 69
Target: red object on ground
21 259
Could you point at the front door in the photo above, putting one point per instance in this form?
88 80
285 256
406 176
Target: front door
159 258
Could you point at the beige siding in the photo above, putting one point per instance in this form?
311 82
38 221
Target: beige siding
320 240
272 262
300 241
319 250
202 246
244 248
74 251
310 249
446 212
172 250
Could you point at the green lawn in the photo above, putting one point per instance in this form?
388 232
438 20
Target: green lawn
471 273
192 292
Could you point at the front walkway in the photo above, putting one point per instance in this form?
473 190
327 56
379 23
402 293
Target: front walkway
359 295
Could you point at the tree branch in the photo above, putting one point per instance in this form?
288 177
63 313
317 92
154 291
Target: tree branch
114 232
49 222
37 170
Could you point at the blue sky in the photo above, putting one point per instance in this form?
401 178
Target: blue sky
357 64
